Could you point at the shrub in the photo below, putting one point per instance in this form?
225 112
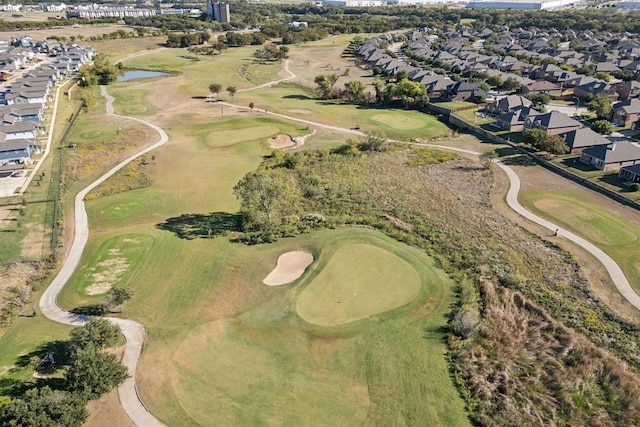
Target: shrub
635 186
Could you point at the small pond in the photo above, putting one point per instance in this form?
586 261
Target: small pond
139 74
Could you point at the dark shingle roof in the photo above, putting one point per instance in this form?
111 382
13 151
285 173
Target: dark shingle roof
583 137
615 152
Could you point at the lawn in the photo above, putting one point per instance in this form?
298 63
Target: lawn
298 102
271 367
28 336
233 67
474 117
111 264
357 282
615 236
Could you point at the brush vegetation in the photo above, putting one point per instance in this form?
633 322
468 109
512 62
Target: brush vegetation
529 343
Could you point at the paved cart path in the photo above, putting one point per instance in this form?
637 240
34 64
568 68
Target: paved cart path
133 331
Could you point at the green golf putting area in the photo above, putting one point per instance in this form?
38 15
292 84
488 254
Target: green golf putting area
358 281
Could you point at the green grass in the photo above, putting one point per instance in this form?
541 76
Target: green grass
451 105
131 102
220 337
618 238
233 67
358 281
27 336
297 102
470 116
248 354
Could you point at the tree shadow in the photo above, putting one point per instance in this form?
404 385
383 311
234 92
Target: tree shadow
519 160
13 387
506 151
436 333
192 226
575 163
58 350
302 97
89 310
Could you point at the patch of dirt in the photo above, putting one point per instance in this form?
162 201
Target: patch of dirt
290 266
299 111
110 272
281 141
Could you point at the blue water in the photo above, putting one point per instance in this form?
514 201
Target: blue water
139 74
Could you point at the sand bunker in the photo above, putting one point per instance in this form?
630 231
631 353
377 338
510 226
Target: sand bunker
290 266
281 141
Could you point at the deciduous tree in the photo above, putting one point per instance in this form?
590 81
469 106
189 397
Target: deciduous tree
601 105
215 88
603 127
232 91
266 195
97 332
93 373
116 297
43 407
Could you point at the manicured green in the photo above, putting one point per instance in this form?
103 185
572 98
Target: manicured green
358 281
611 233
264 365
131 101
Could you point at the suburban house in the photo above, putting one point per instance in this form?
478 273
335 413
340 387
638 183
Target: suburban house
626 112
611 156
595 88
464 91
579 139
553 123
626 90
540 86
17 152
508 103
514 120
630 173
544 71
19 130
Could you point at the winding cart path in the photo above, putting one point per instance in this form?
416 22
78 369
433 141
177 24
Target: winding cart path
135 333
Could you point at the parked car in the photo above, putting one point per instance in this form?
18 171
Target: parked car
18 174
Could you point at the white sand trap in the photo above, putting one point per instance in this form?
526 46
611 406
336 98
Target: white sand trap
281 141
291 266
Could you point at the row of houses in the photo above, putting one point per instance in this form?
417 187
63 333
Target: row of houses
512 54
23 101
515 113
462 52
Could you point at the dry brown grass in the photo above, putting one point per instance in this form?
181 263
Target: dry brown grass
538 372
86 31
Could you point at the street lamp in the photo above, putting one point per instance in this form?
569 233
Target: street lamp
577 100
